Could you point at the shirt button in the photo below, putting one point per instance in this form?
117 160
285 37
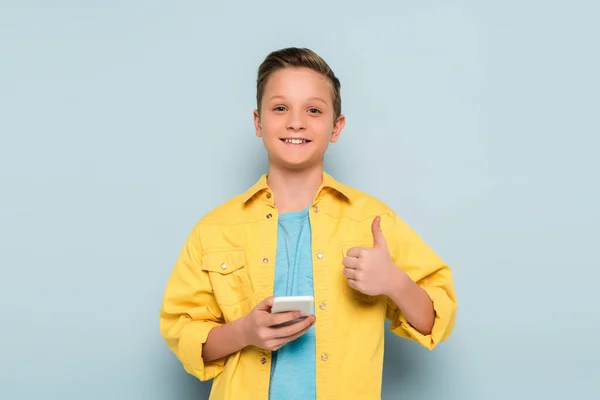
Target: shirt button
322 306
324 357
319 255
263 361
316 208
223 266
265 260
269 216
268 195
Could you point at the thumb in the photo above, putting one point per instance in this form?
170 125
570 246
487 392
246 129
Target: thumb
378 238
266 304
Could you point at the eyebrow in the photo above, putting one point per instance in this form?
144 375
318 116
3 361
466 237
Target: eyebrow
310 99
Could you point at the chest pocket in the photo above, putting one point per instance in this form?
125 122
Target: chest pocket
353 293
228 275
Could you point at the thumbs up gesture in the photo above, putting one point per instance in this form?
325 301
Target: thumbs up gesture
371 270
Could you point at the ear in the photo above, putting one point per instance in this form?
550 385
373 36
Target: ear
257 125
338 126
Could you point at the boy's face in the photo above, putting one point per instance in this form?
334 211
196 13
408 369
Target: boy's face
296 119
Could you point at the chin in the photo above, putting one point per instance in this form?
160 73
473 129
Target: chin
296 165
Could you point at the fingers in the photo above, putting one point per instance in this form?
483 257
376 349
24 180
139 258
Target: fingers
356 252
351 273
279 336
294 329
353 284
298 334
350 262
279 343
281 318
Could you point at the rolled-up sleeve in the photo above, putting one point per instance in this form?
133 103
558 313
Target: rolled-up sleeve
189 311
431 273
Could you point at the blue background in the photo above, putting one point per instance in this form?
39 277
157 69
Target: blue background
123 123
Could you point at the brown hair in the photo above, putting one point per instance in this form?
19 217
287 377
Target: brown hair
294 57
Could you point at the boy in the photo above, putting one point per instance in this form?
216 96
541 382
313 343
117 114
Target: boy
298 231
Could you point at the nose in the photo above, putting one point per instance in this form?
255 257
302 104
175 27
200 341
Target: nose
296 121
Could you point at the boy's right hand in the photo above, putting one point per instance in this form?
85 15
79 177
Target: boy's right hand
260 329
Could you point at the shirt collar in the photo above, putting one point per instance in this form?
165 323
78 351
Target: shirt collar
328 182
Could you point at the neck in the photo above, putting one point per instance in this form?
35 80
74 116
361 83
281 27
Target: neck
294 190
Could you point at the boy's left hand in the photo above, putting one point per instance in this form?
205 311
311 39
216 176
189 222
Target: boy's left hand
371 270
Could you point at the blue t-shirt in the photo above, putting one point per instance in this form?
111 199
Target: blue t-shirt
293 369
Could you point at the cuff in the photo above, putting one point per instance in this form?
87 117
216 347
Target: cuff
192 340
445 312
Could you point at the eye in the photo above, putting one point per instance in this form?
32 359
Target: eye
314 111
279 109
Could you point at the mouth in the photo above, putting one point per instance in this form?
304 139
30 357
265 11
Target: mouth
295 141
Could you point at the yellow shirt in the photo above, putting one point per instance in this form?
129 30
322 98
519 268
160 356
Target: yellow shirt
227 266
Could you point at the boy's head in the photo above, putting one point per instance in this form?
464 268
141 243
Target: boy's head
293 57
298 107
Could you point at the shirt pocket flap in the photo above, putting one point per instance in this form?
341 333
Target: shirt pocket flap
224 262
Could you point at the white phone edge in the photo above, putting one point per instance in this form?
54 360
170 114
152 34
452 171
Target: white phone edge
304 304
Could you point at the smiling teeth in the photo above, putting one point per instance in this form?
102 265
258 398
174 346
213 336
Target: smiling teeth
295 141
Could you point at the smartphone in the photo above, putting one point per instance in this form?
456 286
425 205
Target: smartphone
304 304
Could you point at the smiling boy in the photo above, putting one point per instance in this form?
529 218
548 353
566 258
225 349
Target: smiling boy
298 231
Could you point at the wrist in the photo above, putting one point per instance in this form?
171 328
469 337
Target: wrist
396 284
241 332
